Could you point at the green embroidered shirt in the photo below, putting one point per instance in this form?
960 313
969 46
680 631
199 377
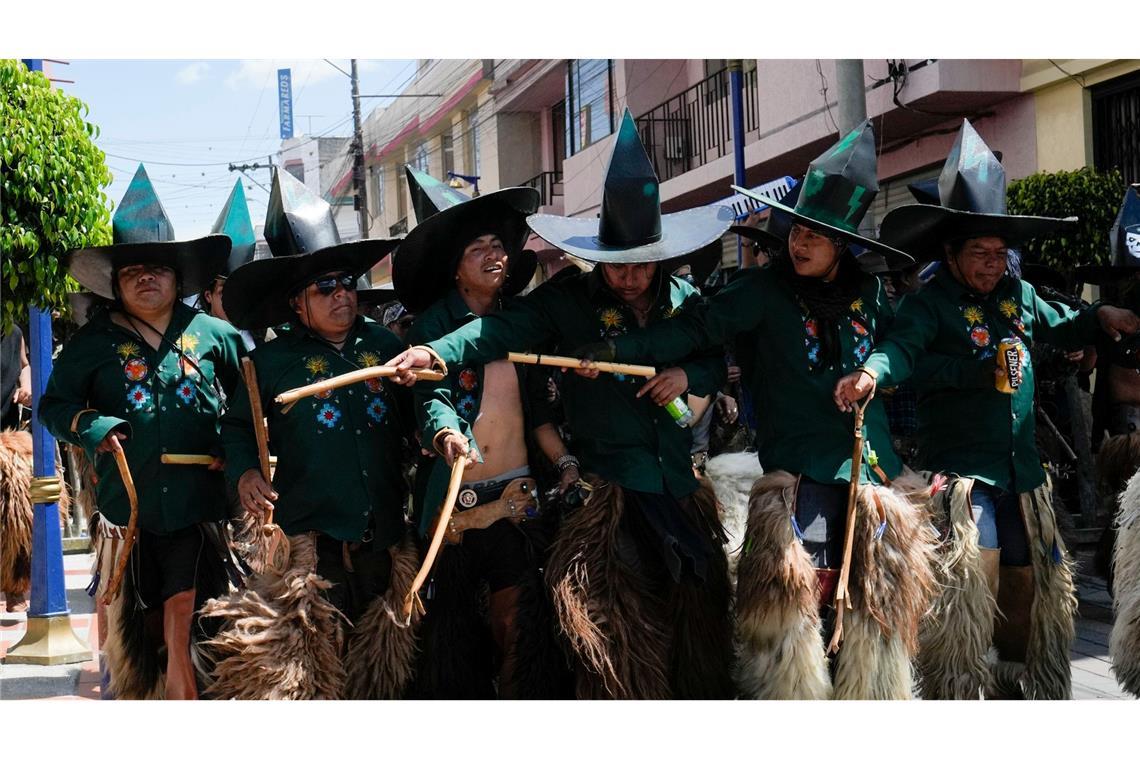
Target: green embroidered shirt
338 453
965 425
162 401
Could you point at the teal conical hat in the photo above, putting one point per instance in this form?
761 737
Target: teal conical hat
971 194
305 244
429 195
630 227
1124 238
142 234
837 191
234 221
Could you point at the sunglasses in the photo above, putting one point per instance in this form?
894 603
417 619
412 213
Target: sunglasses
327 285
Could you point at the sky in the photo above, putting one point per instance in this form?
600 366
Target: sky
187 119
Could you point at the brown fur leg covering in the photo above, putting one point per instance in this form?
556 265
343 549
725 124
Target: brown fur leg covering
892 584
955 637
1124 643
1052 628
541 668
382 647
777 601
17 514
614 620
1117 461
132 651
280 638
702 654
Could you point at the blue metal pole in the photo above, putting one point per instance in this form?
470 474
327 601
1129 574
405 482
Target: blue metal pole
736 85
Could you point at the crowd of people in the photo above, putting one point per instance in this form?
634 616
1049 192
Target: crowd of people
346 491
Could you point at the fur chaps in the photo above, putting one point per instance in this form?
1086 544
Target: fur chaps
17 512
382 647
613 617
732 476
955 638
134 652
280 638
1124 643
778 599
1051 625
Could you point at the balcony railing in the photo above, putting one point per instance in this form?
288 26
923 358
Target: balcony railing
548 185
399 228
694 127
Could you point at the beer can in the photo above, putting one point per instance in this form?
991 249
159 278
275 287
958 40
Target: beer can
1011 359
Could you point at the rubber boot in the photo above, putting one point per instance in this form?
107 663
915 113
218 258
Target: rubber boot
177 614
1015 604
991 567
503 611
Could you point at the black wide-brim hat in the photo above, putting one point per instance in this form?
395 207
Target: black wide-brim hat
682 233
423 269
922 229
196 262
895 259
257 294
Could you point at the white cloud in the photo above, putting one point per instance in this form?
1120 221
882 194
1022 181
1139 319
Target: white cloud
259 73
192 73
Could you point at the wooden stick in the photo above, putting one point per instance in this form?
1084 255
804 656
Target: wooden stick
569 362
277 554
291 397
842 601
132 523
205 459
412 597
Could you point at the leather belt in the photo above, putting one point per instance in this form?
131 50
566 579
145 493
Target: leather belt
517 503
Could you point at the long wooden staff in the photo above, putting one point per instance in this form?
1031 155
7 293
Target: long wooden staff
841 598
569 362
132 523
206 459
291 397
277 553
412 597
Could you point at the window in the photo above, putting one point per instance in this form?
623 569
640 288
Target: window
1116 126
558 127
420 161
471 129
401 194
717 81
589 102
378 204
297 170
448 155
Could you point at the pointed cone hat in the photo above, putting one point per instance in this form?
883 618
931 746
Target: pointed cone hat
429 195
305 244
971 197
1125 241
630 228
423 270
837 191
234 222
142 234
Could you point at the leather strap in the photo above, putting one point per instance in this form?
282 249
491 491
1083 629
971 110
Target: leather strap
517 503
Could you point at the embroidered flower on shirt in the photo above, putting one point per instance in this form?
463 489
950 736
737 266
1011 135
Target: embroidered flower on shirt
127 350
468 379
188 342
317 365
138 397
328 415
368 359
859 327
185 391
611 318
135 370
377 409
980 335
373 384
862 350
811 327
466 407
857 305
1009 308
974 315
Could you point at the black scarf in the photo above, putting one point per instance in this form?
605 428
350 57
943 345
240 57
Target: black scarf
827 302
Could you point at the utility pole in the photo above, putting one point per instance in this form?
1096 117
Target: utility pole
359 189
849 82
736 87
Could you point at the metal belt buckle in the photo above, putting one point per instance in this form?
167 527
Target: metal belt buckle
467 498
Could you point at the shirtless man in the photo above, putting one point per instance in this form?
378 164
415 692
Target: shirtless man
486 409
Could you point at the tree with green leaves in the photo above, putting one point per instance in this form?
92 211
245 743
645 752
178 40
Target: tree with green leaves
1091 196
51 190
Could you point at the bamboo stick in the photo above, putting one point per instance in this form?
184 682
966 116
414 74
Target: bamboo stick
290 397
569 362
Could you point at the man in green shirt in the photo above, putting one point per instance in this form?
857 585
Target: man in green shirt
337 490
465 259
799 325
153 376
638 571
974 323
